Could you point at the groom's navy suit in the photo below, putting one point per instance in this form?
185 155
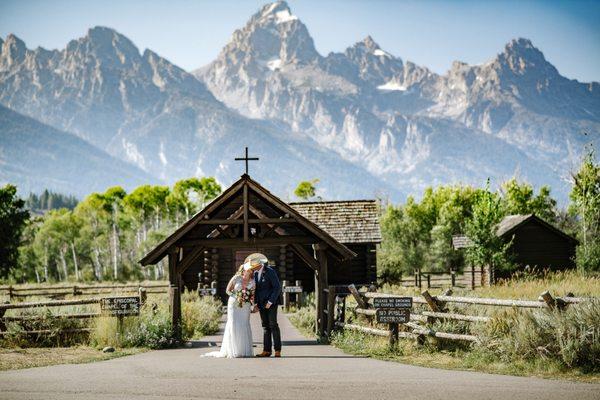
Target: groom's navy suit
268 289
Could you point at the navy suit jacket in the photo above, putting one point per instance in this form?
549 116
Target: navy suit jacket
268 288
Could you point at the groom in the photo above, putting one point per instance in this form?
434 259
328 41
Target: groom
266 297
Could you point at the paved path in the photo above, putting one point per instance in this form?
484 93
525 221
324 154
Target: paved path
307 371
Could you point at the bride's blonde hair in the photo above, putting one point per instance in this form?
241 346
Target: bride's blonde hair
240 270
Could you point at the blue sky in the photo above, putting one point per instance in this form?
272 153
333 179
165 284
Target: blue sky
430 33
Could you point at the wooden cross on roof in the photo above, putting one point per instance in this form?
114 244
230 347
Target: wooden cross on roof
246 159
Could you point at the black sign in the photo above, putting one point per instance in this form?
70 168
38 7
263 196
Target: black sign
207 292
123 306
392 302
393 316
292 289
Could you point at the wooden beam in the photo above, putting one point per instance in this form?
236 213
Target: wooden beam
266 221
305 256
175 293
161 250
245 199
262 215
321 283
189 259
345 252
227 243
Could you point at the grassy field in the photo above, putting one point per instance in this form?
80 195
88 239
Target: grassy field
18 358
544 343
152 329
465 359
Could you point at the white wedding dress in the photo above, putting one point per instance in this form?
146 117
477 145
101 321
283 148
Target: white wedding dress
237 338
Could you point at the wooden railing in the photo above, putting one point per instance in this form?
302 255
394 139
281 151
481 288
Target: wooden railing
470 277
62 291
142 292
435 309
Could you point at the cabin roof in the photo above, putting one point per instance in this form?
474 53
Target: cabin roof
234 196
511 223
349 222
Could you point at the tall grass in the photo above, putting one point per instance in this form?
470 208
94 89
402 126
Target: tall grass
152 328
554 343
304 317
200 317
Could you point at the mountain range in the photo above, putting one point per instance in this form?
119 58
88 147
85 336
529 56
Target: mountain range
363 121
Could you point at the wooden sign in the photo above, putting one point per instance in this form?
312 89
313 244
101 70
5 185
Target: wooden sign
120 306
461 242
393 316
392 302
292 289
207 292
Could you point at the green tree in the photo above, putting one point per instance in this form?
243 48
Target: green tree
585 198
306 189
488 248
13 218
190 195
519 198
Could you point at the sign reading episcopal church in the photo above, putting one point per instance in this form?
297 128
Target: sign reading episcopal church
120 306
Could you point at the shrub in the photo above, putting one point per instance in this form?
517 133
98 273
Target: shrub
570 337
152 329
304 317
200 317
37 319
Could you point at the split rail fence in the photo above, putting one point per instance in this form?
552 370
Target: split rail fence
433 308
470 277
60 291
142 293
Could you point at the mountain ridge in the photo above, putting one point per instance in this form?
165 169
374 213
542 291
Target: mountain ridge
360 112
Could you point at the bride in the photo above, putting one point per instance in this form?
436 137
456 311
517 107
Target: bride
237 338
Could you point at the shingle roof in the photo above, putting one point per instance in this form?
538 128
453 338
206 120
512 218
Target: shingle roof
352 221
511 221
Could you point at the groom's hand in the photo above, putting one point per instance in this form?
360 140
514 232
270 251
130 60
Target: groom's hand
268 305
255 309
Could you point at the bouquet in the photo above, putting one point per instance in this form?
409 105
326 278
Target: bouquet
245 295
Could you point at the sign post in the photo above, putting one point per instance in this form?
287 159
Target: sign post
120 307
392 311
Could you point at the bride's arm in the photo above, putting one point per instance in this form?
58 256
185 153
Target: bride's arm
230 286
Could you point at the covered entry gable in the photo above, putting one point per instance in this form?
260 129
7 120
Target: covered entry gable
246 214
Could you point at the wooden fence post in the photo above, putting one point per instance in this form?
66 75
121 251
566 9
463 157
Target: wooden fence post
452 278
393 335
359 300
330 309
2 323
432 304
472 277
428 281
10 292
286 297
299 296
553 302
416 278
143 295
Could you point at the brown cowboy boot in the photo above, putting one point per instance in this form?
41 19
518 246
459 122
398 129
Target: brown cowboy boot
278 354
264 354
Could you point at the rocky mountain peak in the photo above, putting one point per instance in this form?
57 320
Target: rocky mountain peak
107 45
369 43
13 50
273 37
278 11
521 56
